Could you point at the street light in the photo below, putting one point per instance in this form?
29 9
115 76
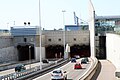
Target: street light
30 56
64 31
40 32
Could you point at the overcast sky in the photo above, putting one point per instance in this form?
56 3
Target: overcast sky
20 11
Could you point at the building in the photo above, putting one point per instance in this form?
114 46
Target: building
26 40
106 23
103 24
76 27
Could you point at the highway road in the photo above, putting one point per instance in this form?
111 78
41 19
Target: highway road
5 72
71 73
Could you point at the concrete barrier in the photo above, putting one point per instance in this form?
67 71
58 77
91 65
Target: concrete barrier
91 71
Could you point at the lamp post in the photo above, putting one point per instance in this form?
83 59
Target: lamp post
40 33
92 28
64 31
30 56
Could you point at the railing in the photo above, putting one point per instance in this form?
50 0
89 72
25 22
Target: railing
11 65
30 72
36 70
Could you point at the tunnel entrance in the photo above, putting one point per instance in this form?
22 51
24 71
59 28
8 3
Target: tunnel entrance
102 48
81 50
54 51
25 52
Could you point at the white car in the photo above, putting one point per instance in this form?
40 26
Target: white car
77 56
58 74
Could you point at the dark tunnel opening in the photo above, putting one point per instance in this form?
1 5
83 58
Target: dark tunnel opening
81 50
57 51
54 51
25 52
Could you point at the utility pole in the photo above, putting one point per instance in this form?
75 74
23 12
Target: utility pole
40 33
64 32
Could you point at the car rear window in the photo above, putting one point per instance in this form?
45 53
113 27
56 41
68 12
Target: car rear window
77 64
57 72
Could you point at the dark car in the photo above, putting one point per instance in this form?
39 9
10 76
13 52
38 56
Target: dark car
20 67
73 60
45 61
84 61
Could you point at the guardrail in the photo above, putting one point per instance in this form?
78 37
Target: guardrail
36 70
30 72
91 71
11 65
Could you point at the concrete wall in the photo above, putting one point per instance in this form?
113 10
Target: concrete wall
32 39
20 39
7 49
113 49
7 54
37 53
81 36
6 41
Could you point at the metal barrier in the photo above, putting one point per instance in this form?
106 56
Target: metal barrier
18 74
36 70
29 72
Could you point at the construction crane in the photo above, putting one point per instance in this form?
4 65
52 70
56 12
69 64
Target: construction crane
76 19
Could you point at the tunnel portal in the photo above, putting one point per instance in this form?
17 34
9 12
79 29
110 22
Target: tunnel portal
57 51
81 50
25 52
54 51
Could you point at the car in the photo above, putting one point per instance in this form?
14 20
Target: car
45 61
73 60
84 61
20 67
77 66
77 56
58 74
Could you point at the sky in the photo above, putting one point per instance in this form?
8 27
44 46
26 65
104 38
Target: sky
16 12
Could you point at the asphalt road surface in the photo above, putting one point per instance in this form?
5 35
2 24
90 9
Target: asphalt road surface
72 74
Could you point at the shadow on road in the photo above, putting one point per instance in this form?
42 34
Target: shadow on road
97 71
